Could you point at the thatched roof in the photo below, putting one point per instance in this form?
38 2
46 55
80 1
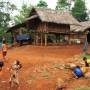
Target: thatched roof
82 27
16 26
50 16
54 16
85 25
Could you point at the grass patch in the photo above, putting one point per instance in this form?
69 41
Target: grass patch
82 88
59 66
87 56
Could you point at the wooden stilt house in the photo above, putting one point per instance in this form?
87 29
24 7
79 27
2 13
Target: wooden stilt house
82 31
50 26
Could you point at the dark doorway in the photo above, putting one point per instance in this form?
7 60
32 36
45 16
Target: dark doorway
88 37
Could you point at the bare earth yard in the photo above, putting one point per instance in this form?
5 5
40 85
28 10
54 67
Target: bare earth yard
42 67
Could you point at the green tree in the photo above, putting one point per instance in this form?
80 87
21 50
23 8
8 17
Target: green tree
6 8
63 5
79 11
23 13
42 4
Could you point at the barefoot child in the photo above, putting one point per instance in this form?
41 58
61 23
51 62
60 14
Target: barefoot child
4 49
15 67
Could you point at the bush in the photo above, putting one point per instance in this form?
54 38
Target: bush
82 88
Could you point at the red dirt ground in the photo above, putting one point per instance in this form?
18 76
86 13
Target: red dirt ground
41 67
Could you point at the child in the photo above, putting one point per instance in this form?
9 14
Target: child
15 67
86 63
4 49
77 71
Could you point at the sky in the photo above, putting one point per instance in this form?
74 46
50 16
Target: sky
51 3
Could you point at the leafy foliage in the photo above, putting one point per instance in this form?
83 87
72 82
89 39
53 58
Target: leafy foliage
79 10
6 8
83 88
24 12
42 4
63 5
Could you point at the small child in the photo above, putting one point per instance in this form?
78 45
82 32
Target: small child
15 67
4 49
86 63
77 71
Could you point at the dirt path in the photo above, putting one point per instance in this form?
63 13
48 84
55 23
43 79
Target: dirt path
41 67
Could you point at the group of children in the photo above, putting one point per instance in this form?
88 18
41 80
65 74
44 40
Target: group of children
14 68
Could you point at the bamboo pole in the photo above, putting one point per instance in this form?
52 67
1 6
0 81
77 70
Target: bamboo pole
37 38
41 35
45 39
34 38
41 39
45 34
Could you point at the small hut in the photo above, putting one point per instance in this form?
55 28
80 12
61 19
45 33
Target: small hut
82 31
49 26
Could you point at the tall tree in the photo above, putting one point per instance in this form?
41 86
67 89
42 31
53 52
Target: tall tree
23 13
63 5
42 4
6 8
79 11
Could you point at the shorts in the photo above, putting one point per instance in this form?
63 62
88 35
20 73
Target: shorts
1 64
4 53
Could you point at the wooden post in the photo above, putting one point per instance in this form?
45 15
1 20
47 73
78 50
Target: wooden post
37 38
45 39
34 38
56 38
41 39
14 40
69 41
45 27
59 38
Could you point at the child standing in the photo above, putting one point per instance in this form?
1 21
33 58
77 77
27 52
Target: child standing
15 67
4 49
